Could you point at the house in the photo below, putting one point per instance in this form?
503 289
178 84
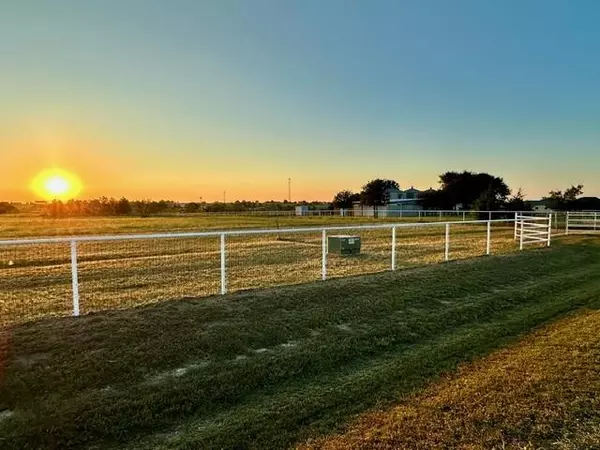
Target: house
399 203
403 200
538 205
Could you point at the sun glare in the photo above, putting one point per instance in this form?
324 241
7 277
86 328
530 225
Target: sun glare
56 184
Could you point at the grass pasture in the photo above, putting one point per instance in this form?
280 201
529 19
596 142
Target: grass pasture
539 394
17 226
35 280
270 369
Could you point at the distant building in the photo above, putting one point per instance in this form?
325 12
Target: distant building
405 200
399 201
302 210
538 205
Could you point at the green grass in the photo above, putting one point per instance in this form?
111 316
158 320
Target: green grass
539 394
271 368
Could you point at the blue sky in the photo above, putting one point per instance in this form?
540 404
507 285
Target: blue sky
181 99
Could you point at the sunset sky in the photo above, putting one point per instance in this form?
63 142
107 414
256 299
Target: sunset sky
185 99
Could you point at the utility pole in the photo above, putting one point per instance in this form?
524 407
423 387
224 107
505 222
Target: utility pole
224 200
290 190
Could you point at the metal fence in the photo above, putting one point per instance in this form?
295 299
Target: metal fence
383 211
582 222
533 229
78 275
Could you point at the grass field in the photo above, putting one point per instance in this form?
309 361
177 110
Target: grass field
16 226
275 368
543 393
35 280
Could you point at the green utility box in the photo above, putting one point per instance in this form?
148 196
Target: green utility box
344 245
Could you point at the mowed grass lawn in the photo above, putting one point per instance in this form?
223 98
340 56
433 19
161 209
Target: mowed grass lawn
543 393
280 367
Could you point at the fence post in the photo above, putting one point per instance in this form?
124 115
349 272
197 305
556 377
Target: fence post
223 268
567 224
489 238
393 248
595 220
74 278
464 216
489 215
521 236
440 216
419 215
549 228
516 225
447 243
324 257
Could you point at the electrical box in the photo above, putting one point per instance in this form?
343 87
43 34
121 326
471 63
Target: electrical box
344 245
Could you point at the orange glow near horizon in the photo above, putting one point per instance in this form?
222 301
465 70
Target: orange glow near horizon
56 184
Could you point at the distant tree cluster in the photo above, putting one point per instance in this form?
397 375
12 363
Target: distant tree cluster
374 193
468 191
7 208
564 201
105 206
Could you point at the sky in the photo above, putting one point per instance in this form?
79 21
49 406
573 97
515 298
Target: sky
187 99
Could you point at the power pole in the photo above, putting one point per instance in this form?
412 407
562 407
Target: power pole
224 199
290 190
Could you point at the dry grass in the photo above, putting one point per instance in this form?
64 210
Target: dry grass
35 280
17 226
544 393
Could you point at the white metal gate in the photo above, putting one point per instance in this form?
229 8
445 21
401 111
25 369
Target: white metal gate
582 222
533 229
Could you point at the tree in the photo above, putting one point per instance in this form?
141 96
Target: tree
587 204
468 190
517 202
564 201
345 199
192 207
374 193
7 208
56 209
123 207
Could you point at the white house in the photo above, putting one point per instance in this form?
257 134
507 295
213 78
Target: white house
398 201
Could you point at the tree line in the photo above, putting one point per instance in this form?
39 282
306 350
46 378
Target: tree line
466 191
105 206
457 190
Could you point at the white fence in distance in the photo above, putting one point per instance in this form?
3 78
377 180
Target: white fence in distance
582 222
89 254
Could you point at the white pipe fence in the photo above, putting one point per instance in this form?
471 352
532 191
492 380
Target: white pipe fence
382 212
582 222
138 266
533 229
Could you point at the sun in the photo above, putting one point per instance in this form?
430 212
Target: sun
56 184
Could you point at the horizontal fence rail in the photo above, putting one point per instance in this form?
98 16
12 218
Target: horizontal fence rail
531 229
76 275
582 222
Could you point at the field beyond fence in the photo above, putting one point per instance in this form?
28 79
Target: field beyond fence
79 275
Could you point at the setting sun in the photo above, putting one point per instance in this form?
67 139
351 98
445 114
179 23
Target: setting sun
56 184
